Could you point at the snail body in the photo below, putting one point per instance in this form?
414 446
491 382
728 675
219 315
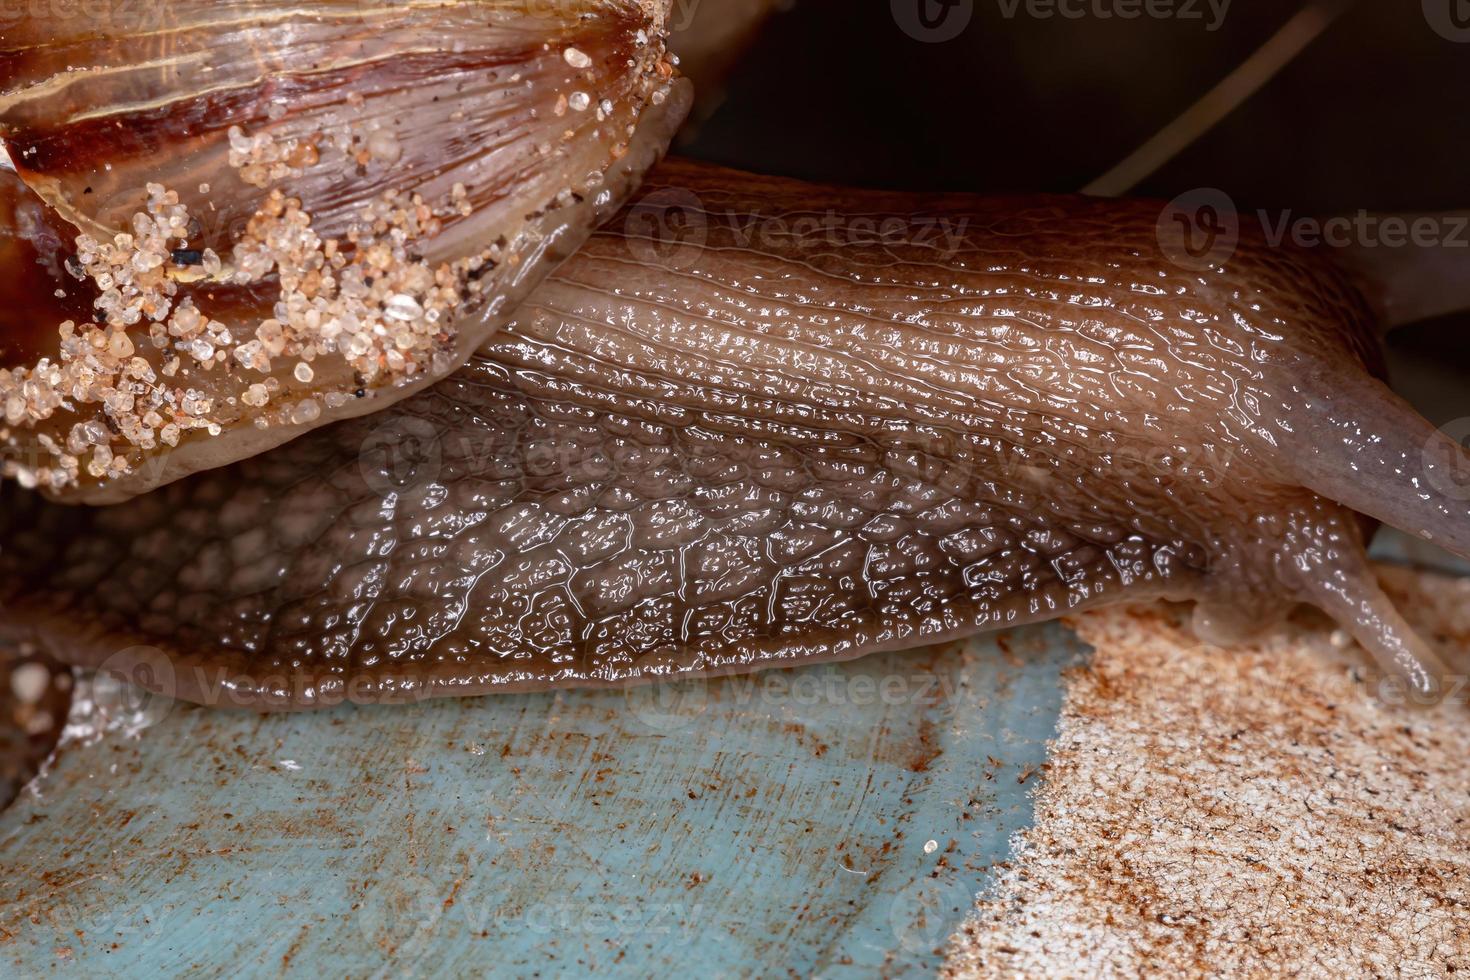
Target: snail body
733 432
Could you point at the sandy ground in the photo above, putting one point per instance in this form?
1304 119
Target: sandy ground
1242 813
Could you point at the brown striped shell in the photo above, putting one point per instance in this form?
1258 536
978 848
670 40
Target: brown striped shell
281 215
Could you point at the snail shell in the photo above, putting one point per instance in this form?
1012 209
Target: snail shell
287 215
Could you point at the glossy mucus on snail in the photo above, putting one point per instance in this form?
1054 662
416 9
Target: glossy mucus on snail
749 443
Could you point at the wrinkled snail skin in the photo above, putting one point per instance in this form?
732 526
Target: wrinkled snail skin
507 131
731 433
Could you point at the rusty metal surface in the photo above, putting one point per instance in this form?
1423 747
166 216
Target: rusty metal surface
835 819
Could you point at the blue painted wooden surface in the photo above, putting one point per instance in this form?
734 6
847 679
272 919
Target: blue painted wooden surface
732 827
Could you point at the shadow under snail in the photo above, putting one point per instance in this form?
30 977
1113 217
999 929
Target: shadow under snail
344 387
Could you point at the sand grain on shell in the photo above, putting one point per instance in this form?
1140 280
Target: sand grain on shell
1241 813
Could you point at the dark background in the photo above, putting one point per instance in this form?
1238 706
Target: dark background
1374 114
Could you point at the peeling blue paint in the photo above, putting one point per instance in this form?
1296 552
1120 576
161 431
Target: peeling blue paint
732 827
